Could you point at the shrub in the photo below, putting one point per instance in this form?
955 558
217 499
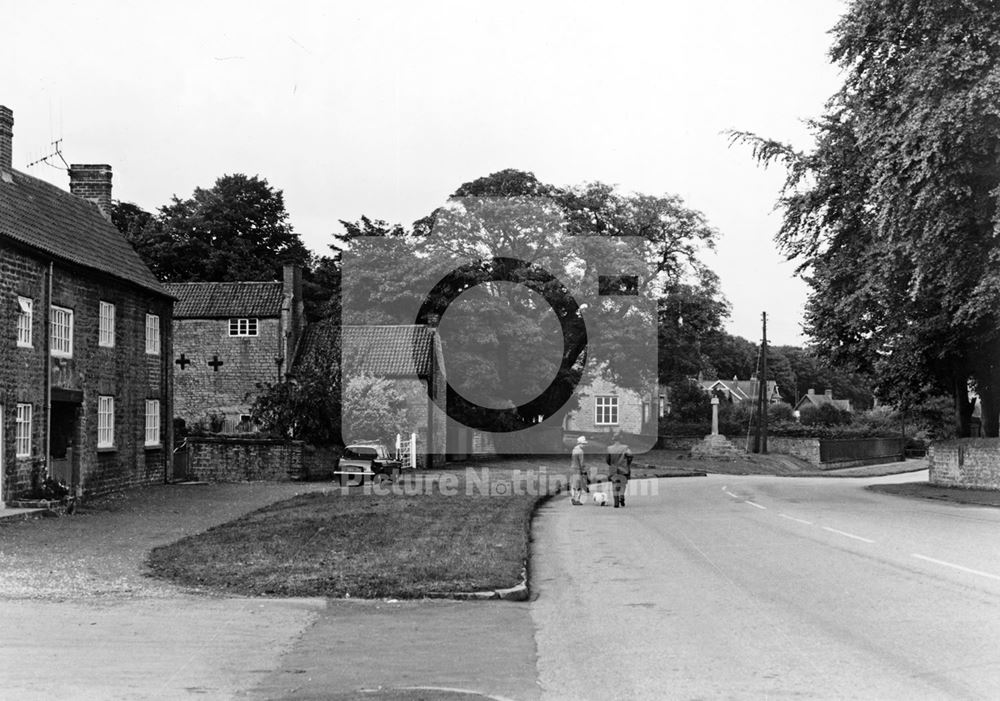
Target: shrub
824 415
780 412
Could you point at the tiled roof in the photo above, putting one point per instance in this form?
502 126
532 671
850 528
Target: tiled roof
741 389
220 300
821 399
49 219
383 351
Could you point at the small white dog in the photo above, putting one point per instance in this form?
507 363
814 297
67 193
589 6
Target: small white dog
601 498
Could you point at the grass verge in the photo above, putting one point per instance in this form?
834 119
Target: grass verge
428 534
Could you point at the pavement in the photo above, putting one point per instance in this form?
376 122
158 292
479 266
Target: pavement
82 620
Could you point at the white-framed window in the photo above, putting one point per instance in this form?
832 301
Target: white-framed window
663 405
106 334
25 307
605 410
22 431
61 330
152 334
152 422
242 327
105 421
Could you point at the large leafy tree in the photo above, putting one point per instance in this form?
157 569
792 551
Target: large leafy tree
236 230
893 216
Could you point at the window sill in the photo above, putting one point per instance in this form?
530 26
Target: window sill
107 449
157 446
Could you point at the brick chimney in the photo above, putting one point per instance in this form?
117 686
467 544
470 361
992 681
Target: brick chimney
6 139
829 393
292 312
92 182
811 391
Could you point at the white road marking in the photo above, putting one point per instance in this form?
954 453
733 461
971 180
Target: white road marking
957 567
798 520
848 535
757 505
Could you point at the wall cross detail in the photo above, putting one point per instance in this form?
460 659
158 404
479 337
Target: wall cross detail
183 362
215 363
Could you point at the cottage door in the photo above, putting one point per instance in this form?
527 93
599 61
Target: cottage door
62 442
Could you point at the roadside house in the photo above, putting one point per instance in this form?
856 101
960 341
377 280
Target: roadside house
228 337
85 339
605 408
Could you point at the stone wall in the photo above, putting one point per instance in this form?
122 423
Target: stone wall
318 461
202 389
231 459
803 448
973 463
630 409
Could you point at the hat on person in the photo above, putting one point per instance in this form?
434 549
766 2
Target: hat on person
581 440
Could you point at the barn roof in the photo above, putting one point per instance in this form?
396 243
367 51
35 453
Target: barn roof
43 217
220 300
383 351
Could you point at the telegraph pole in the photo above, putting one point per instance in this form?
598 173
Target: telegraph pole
764 400
760 435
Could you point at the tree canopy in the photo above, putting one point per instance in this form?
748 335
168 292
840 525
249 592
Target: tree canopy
893 215
236 230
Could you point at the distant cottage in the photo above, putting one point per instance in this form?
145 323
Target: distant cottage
85 339
737 391
811 399
228 337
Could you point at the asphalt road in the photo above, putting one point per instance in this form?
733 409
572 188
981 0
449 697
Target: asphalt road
762 587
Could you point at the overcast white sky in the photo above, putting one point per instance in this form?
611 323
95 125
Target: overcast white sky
384 108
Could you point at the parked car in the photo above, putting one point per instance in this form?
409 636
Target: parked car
366 462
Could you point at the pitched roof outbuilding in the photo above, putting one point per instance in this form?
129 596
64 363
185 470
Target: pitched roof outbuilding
44 217
383 351
221 300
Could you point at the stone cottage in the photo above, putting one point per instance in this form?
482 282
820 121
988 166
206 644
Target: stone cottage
85 339
606 408
228 337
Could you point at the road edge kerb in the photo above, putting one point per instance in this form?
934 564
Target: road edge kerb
960 497
519 592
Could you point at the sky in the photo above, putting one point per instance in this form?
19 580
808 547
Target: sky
384 108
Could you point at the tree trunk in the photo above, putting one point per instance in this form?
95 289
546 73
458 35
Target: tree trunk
963 408
988 387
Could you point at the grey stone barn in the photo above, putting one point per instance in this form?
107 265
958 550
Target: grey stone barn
228 337
85 347
409 356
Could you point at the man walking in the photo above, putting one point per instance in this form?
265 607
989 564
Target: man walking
619 468
578 472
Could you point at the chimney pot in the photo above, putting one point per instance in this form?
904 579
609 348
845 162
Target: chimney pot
92 182
6 139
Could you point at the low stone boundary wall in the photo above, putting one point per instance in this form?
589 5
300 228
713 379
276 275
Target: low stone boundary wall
803 448
319 461
231 459
973 463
